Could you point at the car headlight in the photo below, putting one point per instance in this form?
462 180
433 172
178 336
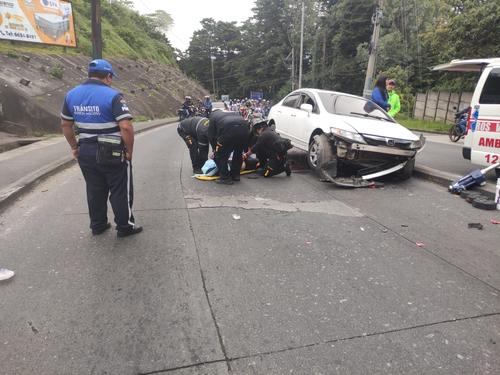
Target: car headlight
352 136
418 144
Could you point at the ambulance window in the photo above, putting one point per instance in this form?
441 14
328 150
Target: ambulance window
491 89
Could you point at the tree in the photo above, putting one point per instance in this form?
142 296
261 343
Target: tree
161 20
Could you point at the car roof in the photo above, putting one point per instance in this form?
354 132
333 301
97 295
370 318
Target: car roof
324 91
472 65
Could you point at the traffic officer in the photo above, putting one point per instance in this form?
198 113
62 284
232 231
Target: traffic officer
228 133
270 149
104 148
194 132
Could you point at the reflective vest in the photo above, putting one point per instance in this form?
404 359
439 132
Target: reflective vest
95 108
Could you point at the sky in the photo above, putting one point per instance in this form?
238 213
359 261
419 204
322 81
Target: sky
187 14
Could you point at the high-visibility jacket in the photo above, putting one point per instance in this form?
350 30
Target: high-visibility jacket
395 103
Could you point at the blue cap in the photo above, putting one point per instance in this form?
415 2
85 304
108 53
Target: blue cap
101 66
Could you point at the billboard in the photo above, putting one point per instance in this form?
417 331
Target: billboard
38 21
255 95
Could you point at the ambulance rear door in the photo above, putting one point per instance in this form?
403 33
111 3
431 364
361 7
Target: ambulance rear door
485 135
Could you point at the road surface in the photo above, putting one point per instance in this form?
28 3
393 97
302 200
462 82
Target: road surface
269 276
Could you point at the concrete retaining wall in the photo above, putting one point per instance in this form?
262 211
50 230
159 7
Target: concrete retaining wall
439 105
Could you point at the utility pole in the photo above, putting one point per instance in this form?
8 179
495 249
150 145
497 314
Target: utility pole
293 68
212 58
373 49
301 45
96 29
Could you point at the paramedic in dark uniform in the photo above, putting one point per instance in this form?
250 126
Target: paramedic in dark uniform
228 133
193 131
270 149
104 149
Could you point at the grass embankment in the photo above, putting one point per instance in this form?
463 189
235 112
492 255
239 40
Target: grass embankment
423 125
125 33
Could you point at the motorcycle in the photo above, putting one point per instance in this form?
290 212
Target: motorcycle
183 114
459 128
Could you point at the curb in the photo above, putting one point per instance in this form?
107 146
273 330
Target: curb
24 184
427 131
445 179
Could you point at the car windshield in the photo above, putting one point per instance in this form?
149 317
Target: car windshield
352 106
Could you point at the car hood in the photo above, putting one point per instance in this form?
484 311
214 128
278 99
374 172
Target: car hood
379 128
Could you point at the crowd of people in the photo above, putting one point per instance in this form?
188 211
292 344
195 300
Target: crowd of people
248 107
237 138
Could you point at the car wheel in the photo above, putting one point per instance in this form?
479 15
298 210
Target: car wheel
407 170
320 152
497 172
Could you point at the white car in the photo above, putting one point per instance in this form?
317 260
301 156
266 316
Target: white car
341 131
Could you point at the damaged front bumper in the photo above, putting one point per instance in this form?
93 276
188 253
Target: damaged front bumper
381 160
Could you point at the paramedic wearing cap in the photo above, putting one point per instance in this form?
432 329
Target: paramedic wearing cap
104 149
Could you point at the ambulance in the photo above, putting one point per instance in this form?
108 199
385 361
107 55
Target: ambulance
482 140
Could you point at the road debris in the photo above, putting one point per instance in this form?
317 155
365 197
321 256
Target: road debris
493 221
6 274
236 217
484 203
475 178
476 226
420 244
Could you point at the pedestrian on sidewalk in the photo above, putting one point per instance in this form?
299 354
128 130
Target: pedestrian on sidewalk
379 93
104 148
393 99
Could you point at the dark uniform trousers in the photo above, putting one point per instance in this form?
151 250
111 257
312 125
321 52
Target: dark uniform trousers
102 182
272 162
234 140
197 152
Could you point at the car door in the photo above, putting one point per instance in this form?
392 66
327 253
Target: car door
285 113
302 121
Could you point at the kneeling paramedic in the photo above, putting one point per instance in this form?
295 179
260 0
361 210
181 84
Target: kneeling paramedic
104 149
270 149
194 132
228 133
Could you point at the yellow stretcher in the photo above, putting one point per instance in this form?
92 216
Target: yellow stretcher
202 177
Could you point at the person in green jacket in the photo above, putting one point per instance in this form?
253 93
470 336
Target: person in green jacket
393 98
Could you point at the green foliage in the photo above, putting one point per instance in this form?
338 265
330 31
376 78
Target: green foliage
125 34
57 71
415 35
423 125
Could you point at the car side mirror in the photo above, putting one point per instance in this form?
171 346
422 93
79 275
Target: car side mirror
306 107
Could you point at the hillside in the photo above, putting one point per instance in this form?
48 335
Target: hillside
125 33
148 75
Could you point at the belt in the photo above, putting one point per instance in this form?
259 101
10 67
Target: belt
88 140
